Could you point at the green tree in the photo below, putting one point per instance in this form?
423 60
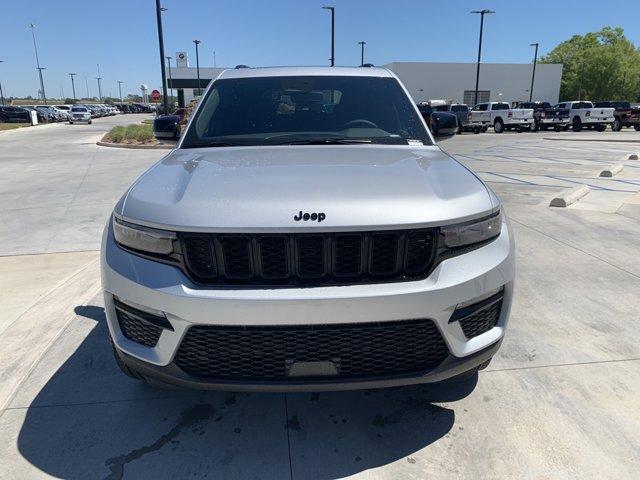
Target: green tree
602 65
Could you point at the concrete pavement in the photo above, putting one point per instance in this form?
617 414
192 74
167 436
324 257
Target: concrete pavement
559 401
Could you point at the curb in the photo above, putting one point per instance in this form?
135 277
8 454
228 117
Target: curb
567 198
138 147
612 170
592 140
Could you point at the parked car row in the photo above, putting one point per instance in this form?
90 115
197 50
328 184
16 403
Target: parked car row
62 113
134 107
534 116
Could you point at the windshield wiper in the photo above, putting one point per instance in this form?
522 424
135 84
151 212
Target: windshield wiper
326 141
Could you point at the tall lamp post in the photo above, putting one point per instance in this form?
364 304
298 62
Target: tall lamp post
120 89
99 79
333 31
533 73
170 79
35 47
214 59
198 42
73 86
1 94
482 14
362 44
165 100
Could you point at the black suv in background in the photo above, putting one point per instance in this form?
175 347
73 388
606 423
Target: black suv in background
625 115
539 109
14 114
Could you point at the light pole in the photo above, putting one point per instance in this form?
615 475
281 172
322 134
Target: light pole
1 94
73 86
333 30
482 14
86 84
533 74
214 59
170 79
198 42
362 44
35 47
165 100
99 79
120 89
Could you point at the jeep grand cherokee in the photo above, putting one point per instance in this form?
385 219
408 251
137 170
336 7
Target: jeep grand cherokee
306 234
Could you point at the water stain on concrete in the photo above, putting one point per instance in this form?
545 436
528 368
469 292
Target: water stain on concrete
189 417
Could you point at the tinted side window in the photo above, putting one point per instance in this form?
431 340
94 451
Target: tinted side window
482 107
500 106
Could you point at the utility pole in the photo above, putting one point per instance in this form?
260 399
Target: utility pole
165 100
198 42
482 14
333 30
1 94
120 89
35 47
533 74
362 44
99 79
170 79
73 86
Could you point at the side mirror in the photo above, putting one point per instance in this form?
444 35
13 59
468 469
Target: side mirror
443 125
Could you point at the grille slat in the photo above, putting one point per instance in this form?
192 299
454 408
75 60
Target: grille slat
292 259
271 353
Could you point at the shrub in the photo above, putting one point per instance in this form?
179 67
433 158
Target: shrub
116 134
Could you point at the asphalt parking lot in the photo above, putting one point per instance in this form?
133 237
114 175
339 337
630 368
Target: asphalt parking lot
560 401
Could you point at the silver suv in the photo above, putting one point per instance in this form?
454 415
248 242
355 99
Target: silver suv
306 234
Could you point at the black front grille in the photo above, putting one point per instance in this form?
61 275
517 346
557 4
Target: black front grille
137 330
366 350
294 259
482 321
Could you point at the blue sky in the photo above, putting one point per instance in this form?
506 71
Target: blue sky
121 35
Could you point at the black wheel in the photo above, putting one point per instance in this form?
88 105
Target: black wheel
459 128
129 372
89 122
518 129
498 125
616 126
477 130
70 122
484 129
576 124
558 128
637 127
534 127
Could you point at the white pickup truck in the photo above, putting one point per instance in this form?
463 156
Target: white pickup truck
501 116
583 114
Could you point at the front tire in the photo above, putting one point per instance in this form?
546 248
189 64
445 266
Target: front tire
498 125
636 127
617 124
576 124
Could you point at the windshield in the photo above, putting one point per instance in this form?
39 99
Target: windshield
310 109
78 109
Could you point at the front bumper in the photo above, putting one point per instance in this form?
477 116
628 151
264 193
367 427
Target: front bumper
165 288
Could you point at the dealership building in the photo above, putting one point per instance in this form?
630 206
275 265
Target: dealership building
455 82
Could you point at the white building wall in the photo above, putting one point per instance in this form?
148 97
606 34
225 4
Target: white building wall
507 82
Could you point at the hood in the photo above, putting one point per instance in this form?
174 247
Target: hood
254 189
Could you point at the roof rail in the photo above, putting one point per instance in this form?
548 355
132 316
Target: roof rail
238 67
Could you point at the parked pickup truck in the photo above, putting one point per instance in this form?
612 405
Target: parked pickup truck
501 116
624 114
539 111
582 114
461 111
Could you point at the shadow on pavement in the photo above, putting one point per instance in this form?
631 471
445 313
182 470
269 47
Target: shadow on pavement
90 421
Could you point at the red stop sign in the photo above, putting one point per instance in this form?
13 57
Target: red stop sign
155 95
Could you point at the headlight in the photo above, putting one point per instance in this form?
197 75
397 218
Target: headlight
472 232
143 238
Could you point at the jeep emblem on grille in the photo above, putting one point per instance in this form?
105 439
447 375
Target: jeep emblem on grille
306 216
